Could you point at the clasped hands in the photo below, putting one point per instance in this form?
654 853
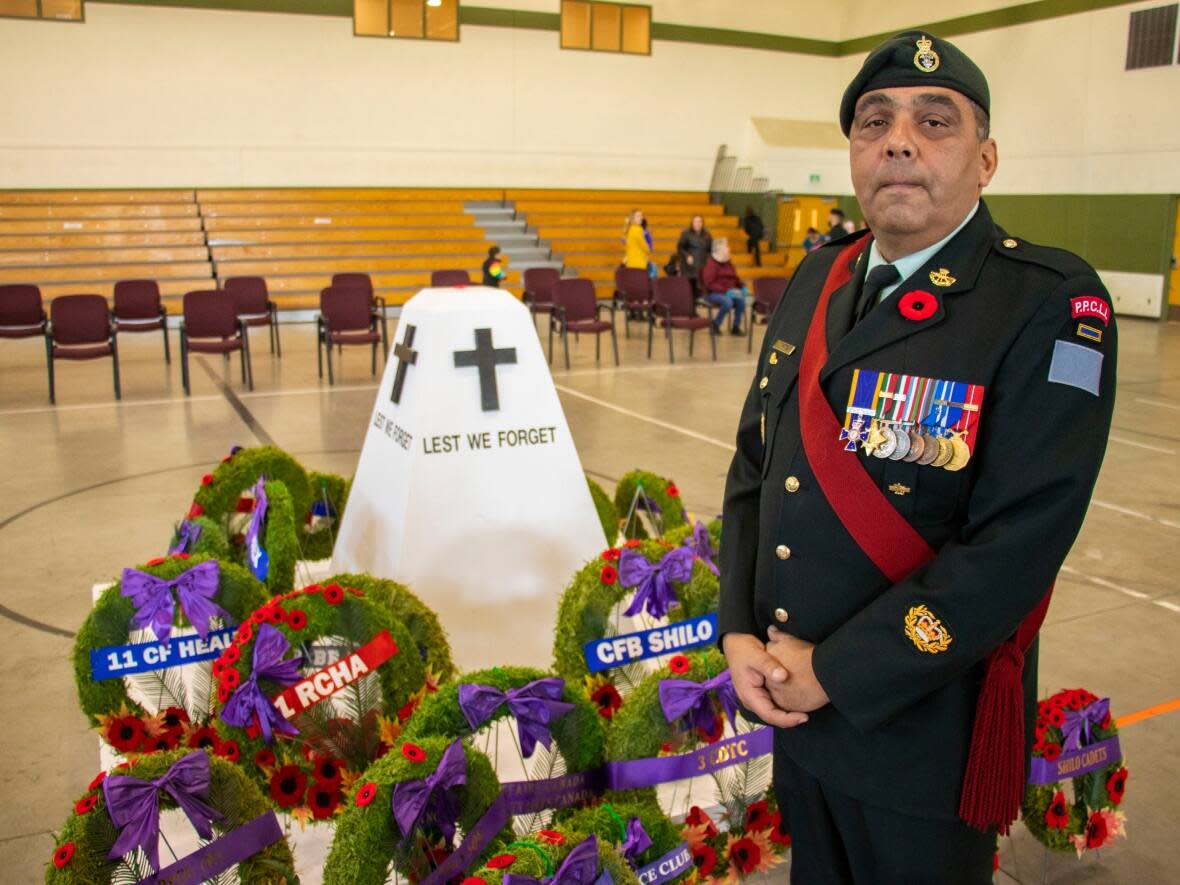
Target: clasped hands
774 680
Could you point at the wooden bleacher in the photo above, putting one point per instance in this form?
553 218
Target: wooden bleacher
83 241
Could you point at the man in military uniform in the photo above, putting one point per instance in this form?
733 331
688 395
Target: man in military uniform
914 460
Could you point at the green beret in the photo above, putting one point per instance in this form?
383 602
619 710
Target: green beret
915 59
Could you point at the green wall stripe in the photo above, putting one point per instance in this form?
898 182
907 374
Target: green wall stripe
743 39
337 8
508 18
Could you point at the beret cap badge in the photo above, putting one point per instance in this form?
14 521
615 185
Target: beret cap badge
926 59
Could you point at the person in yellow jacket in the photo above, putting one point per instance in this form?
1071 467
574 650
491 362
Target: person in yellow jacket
637 252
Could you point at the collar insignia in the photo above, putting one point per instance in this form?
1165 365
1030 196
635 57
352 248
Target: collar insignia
942 277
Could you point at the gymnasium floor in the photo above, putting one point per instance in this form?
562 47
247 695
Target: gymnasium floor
90 486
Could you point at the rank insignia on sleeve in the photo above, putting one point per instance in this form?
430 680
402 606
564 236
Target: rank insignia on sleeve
1090 333
926 631
1090 306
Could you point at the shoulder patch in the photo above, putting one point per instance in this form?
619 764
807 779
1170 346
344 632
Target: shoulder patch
1090 306
1076 366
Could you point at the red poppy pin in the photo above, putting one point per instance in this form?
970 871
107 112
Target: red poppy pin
413 753
917 305
366 794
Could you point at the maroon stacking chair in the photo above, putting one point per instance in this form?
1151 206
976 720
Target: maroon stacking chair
211 325
632 296
21 313
138 309
254 307
767 293
576 309
674 307
364 281
538 292
347 316
80 328
445 278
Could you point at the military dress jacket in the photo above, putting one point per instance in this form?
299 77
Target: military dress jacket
1029 331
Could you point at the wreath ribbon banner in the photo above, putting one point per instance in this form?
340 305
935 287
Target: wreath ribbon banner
666 868
222 854
1075 763
117 661
634 774
620 650
335 677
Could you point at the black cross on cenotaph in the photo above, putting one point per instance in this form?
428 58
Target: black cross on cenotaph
486 357
406 357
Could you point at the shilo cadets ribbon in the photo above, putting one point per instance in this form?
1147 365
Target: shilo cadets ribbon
910 418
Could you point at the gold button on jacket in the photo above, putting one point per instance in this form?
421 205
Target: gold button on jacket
780 615
782 551
792 484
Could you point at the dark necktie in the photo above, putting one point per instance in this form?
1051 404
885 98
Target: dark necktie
878 278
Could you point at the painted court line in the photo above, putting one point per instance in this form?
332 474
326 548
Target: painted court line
1138 445
639 416
1159 404
1170 606
1135 514
203 398
1102 582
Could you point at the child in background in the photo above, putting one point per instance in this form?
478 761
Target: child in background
493 268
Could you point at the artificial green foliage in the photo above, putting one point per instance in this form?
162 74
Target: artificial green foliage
367 838
608 821
279 540
238 474
107 624
584 613
605 507
333 489
230 792
537 856
421 620
211 541
578 735
662 492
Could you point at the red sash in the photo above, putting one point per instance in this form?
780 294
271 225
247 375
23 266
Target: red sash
993 785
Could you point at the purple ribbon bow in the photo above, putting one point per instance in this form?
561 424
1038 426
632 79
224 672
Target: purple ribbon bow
654 580
637 840
701 544
134 805
580 867
683 697
154 606
1078 720
536 707
248 700
433 797
186 537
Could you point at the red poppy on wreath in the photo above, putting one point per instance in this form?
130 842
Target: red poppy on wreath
1057 814
758 817
224 692
85 804
231 655
125 734
158 560
414 753
365 795
287 786
704 858
203 737
265 758
63 855
229 750
333 594
609 575
1096 831
1116 785
745 855
679 664
608 699
1056 717
297 619
1060 699
698 817
474 880
253 729
500 861
274 615
207 479
327 770
551 837
778 835
175 717
158 745
98 779
324 799
195 511
1105 723
611 554
230 679
633 543
245 633
917 305
1052 752
671 491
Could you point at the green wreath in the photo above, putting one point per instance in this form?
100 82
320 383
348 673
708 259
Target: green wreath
605 507
584 615
1094 817
661 492
123 723
280 540
211 541
419 618
82 844
579 734
219 492
608 820
308 774
331 490
729 855
367 837
540 854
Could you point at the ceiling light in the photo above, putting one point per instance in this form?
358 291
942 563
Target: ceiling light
434 2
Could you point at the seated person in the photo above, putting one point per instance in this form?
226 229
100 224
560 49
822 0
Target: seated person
723 287
493 268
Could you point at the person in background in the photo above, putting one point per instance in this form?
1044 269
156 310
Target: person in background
849 226
723 287
812 239
752 225
652 270
693 247
835 225
636 251
493 268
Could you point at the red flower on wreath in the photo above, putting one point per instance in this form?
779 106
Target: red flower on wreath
253 729
297 619
551 837
758 817
1057 814
611 554
1056 717
778 835
63 855
245 633
414 753
1052 752
609 575
698 817
1097 831
98 779
230 678
1105 723
713 735
274 615
501 861
745 854
365 795
204 738
632 543
1116 785
175 717
155 561
125 734
287 786
85 804
474 880
679 665
917 305
229 750
231 655
671 491
333 594
265 758
195 510
324 799
608 700
159 744
704 858
1060 699
224 692
207 479
328 771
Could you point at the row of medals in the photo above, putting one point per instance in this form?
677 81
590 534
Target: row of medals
908 443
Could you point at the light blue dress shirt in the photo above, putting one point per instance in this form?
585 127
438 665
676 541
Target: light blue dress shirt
910 264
